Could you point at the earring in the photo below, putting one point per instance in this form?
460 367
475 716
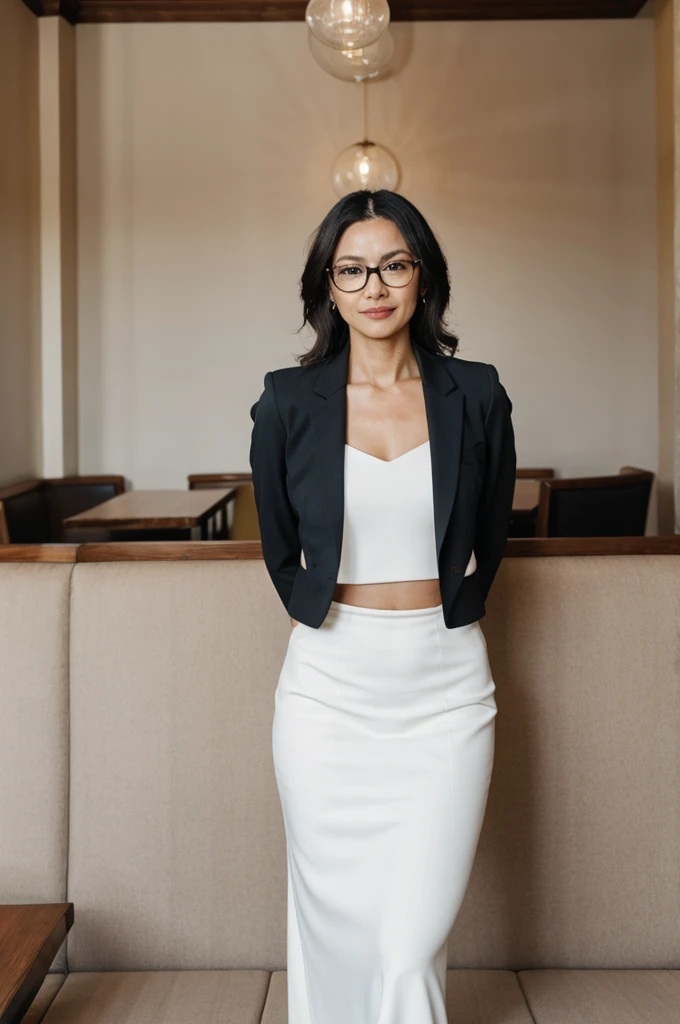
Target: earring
332 304
423 298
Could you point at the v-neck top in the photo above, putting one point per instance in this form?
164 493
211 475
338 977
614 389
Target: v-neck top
388 532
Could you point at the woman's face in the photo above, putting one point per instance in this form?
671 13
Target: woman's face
379 243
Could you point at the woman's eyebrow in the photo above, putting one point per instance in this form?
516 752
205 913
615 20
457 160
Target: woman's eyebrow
385 255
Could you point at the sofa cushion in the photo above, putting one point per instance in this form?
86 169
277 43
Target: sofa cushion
608 997
472 997
160 997
43 999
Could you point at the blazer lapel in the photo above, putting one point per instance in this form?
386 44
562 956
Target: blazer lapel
444 406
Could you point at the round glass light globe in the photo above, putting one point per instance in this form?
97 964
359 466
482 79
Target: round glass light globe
368 62
364 165
347 24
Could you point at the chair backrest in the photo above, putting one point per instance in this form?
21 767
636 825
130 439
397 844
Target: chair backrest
26 513
4 529
523 521
198 480
35 509
245 524
602 506
242 522
70 495
527 473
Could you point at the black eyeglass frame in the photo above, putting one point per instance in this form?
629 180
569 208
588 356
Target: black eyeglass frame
373 270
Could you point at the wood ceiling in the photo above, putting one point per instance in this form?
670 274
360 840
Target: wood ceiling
294 10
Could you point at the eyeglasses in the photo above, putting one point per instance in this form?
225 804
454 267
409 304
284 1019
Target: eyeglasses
351 277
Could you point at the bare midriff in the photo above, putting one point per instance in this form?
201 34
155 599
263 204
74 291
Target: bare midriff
403 594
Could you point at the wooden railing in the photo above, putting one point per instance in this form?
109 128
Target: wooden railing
202 550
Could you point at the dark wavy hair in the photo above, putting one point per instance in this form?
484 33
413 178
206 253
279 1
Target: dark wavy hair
426 324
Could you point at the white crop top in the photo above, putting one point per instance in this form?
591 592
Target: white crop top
388 532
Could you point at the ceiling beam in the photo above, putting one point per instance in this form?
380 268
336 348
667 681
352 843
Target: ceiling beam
294 10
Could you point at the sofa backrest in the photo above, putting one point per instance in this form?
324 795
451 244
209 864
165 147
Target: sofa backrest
176 856
34 729
176 850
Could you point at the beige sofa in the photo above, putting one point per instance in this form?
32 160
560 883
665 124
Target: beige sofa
136 781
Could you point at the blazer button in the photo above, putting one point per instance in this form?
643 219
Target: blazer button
457 568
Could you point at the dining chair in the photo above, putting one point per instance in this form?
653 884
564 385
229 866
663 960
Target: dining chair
242 522
4 531
34 509
523 521
595 506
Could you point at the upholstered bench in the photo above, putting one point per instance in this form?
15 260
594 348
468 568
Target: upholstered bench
136 781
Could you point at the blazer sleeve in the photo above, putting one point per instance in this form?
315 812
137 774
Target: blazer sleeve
277 518
495 503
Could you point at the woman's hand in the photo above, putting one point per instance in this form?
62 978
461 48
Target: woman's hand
294 623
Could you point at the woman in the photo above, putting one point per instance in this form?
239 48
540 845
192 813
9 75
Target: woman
383 472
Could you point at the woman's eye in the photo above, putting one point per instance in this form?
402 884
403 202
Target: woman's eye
349 271
396 265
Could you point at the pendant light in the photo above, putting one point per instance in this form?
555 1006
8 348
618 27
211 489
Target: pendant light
367 62
364 164
347 24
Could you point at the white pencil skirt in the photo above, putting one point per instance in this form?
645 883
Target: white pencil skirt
383 744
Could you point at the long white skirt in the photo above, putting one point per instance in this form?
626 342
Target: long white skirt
383 745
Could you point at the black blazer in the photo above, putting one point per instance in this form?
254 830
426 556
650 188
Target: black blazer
297 456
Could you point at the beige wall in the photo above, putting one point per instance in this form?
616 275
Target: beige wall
668 422
204 160
59 335
20 419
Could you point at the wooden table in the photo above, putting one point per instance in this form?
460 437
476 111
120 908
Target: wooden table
159 510
30 937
